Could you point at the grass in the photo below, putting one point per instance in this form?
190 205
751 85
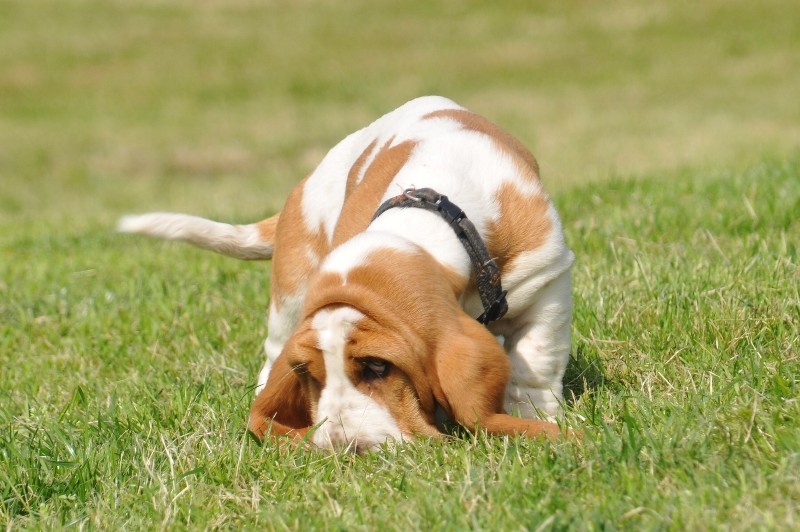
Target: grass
668 135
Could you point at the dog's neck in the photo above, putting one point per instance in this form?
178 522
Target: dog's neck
432 234
397 267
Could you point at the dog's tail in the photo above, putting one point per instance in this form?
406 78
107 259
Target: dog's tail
247 242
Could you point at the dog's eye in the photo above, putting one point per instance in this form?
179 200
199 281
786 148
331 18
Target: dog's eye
375 369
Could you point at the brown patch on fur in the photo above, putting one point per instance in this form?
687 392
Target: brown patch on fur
282 407
288 403
364 198
266 228
355 170
475 371
523 225
509 144
457 281
298 249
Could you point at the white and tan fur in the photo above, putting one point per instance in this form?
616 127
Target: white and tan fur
371 324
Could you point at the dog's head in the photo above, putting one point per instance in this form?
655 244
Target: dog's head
364 382
367 353
381 346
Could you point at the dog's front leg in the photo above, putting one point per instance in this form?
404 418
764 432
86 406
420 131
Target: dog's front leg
283 319
538 349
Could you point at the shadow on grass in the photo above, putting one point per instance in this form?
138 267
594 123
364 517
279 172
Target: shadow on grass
584 374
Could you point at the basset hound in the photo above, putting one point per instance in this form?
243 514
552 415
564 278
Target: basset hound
372 322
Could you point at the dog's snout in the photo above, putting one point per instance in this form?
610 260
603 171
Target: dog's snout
331 435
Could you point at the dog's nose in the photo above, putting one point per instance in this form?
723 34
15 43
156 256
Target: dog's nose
331 435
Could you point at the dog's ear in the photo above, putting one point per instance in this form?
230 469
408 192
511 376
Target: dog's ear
473 370
282 407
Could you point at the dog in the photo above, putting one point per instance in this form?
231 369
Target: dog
373 335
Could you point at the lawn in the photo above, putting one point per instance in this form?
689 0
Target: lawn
667 133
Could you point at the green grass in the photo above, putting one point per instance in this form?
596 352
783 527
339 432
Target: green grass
668 135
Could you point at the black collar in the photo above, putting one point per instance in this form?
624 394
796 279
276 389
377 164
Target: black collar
490 290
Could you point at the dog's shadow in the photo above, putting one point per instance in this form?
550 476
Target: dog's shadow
585 373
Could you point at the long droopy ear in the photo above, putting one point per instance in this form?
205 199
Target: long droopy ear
473 370
282 407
